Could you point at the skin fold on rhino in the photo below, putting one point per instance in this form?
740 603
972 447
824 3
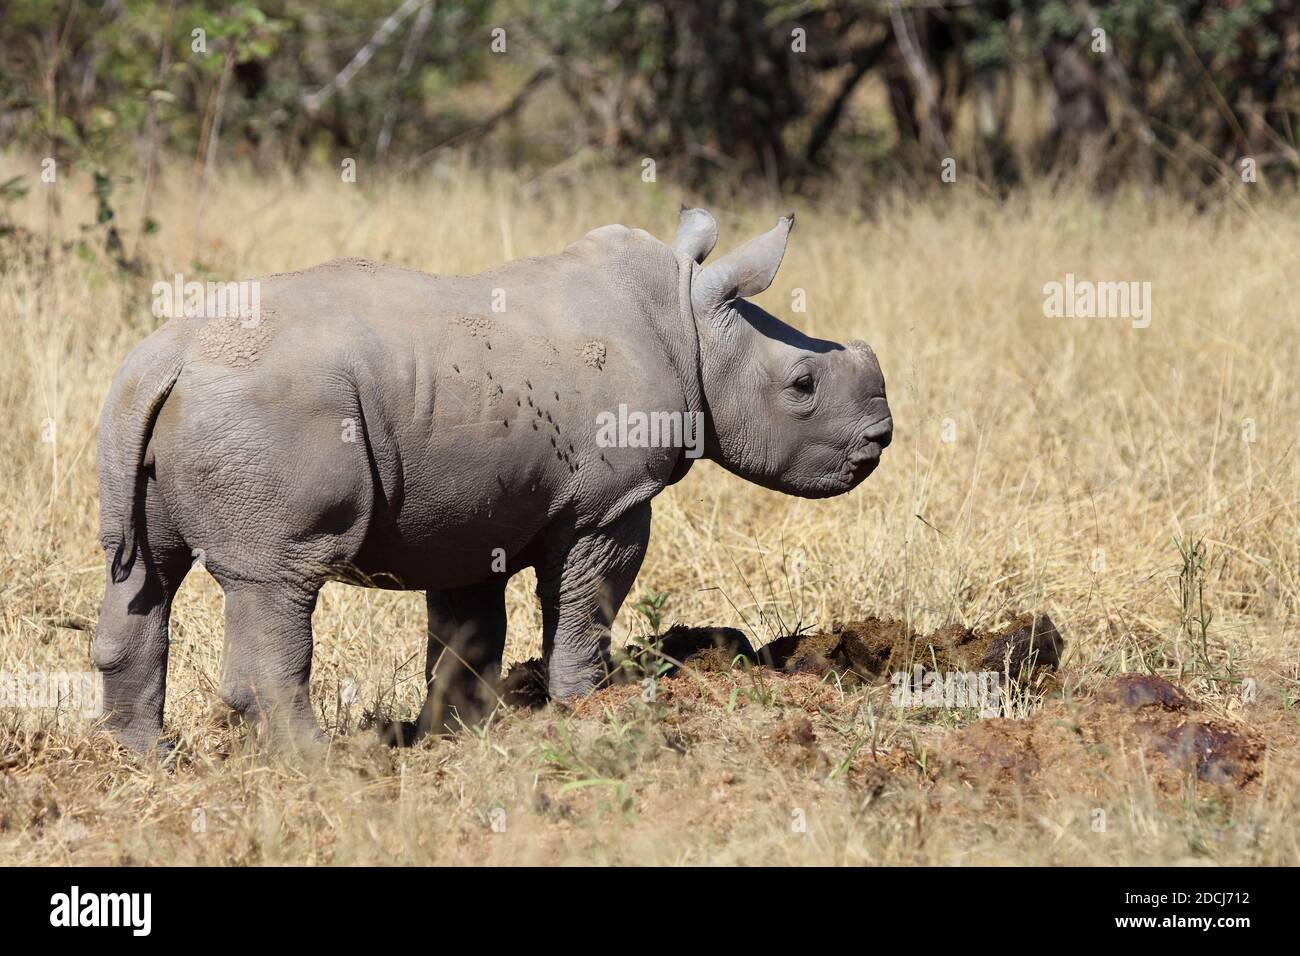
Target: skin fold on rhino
394 429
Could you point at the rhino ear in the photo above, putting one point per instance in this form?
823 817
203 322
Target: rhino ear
742 272
697 234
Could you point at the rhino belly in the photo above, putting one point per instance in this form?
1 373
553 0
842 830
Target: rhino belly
450 547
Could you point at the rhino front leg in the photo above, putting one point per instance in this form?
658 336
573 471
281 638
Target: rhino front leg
467 638
581 593
268 658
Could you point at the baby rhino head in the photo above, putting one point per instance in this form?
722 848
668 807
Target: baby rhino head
800 415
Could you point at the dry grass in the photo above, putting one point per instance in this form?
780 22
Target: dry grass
1080 450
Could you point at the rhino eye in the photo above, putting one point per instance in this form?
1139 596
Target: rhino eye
803 384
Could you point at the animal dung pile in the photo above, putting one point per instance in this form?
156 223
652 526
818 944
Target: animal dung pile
869 651
861 653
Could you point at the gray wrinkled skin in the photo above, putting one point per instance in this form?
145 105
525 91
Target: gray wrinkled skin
389 428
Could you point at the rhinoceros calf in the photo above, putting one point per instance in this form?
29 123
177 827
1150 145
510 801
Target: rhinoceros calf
390 428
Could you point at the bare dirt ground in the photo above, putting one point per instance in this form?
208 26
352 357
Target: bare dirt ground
1138 487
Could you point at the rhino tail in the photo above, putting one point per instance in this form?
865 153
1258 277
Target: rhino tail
134 430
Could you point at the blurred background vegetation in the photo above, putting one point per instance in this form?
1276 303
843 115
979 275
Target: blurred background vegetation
795 97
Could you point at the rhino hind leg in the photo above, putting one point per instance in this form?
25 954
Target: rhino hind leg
581 594
267 658
467 639
131 636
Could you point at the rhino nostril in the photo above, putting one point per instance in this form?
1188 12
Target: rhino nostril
882 432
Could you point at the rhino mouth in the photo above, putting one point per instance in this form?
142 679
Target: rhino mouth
862 462
859 465
852 473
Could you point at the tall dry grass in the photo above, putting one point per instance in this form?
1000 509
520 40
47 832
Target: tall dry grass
1038 464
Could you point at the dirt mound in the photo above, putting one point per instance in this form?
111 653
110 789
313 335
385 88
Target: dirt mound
794 743
1130 717
994 750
